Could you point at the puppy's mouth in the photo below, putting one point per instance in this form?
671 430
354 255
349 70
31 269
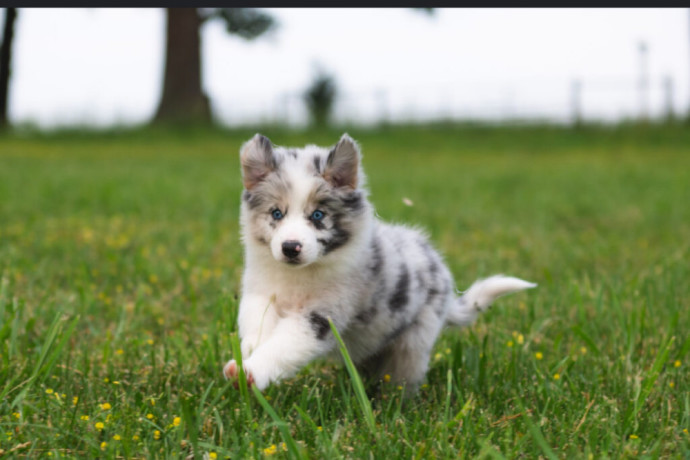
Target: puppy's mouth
293 261
296 262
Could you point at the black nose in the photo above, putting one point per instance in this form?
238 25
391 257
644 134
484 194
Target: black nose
292 248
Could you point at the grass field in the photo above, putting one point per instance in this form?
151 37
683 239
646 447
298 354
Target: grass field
120 265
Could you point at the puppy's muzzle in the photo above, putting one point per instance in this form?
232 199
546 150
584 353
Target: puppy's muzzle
292 249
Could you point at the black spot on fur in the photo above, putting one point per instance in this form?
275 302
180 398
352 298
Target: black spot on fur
317 164
353 201
430 295
292 153
338 236
367 315
319 324
400 296
255 201
376 257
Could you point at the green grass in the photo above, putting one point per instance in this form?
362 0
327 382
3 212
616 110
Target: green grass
120 265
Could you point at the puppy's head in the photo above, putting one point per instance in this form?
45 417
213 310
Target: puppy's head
301 204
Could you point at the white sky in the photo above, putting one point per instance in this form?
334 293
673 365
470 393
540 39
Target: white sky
102 66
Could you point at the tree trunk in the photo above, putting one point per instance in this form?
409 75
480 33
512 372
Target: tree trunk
5 61
183 100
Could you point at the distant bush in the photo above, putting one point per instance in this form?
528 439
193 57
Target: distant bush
320 97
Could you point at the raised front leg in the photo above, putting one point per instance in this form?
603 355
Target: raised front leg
296 340
256 319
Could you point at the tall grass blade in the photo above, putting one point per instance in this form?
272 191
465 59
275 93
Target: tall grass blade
362 399
537 434
283 427
648 383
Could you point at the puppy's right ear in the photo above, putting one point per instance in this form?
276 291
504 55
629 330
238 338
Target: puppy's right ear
256 157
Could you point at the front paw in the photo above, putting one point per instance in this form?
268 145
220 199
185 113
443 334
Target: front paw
231 372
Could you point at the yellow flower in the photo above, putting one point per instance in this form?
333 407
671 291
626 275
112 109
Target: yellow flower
103 445
271 450
583 350
438 356
671 384
150 341
177 421
149 416
116 437
539 355
447 351
212 455
135 438
386 378
16 415
84 417
106 380
400 388
520 339
556 376
283 447
75 400
119 351
99 426
510 344
106 406
685 430
634 436
49 391
676 363
320 428
156 435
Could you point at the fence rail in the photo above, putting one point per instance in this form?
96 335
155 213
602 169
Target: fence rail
583 99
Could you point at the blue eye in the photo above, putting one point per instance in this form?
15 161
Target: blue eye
277 215
317 215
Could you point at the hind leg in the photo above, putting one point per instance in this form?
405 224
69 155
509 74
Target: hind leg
406 359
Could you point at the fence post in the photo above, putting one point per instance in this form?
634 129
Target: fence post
643 82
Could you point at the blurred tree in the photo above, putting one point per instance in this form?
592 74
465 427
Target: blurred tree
320 97
183 99
5 61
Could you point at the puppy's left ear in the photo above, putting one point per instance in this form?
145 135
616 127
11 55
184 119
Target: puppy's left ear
256 157
342 164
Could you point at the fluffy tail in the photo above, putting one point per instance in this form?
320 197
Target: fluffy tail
481 295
